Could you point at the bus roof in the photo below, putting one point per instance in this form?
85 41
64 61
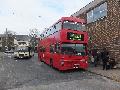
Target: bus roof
67 18
72 19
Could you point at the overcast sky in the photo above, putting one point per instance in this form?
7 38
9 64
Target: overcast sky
22 15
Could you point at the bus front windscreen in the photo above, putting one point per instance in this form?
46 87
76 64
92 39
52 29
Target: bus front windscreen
73 25
74 49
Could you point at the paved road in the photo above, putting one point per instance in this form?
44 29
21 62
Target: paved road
30 74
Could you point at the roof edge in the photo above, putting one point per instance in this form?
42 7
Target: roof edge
87 7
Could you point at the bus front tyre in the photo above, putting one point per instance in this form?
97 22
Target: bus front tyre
40 59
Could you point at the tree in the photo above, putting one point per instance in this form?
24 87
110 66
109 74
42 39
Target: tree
8 40
34 34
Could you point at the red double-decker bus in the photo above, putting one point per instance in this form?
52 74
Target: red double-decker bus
64 44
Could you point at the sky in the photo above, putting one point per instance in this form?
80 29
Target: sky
22 15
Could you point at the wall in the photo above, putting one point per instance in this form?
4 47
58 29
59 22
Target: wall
105 32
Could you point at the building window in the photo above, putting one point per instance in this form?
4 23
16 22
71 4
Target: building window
90 16
97 13
103 9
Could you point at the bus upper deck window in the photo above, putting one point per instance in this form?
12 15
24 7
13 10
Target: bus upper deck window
83 27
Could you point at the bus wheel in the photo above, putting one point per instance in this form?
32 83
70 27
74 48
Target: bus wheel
41 59
51 62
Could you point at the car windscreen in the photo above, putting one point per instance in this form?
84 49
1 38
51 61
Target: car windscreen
22 49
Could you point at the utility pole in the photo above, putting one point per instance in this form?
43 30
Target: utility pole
6 40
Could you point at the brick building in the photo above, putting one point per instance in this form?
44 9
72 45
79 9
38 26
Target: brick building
103 25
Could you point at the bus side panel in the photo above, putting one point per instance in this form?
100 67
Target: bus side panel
47 58
40 56
53 55
56 60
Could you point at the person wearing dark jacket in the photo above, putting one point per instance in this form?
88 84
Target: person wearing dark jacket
105 58
94 54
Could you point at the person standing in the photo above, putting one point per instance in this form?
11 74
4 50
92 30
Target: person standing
105 58
94 54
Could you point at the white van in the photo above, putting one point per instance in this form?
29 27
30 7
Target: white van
23 52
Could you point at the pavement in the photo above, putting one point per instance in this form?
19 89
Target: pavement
113 74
